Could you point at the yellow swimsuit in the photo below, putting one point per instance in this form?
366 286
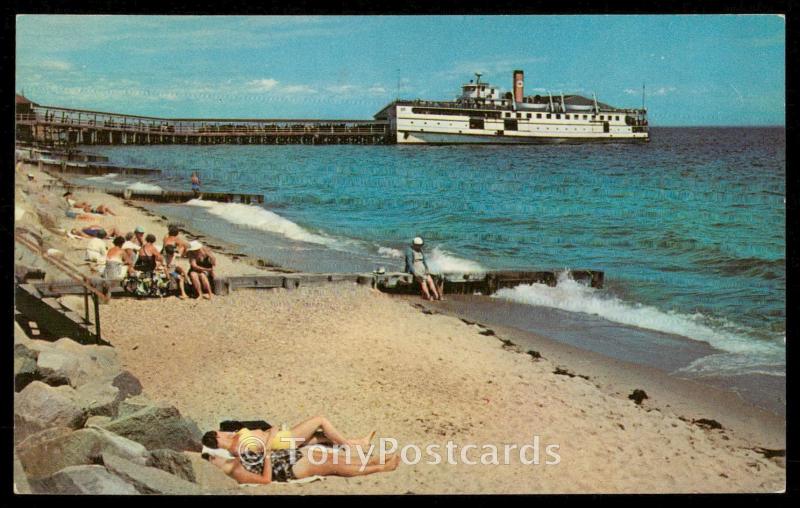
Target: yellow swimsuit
251 443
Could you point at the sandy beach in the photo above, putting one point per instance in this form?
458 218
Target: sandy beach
421 375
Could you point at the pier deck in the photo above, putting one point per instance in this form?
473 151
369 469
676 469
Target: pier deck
57 125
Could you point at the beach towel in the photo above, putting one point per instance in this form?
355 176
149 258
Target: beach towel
235 425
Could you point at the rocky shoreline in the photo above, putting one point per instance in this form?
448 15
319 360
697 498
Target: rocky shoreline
82 425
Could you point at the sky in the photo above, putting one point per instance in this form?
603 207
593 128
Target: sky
697 70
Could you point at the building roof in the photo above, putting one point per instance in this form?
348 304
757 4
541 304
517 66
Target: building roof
21 99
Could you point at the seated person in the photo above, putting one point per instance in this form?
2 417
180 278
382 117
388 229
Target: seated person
174 271
149 257
95 231
137 236
96 250
257 459
118 261
201 271
417 266
86 207
172 238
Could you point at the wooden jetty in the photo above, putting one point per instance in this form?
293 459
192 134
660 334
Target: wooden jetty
390 282
66 126
89 168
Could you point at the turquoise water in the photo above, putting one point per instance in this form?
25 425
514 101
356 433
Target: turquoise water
690 228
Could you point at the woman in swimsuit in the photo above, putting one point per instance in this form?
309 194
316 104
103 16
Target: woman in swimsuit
172 238
118 261
256 461
95 231
149 256
201 271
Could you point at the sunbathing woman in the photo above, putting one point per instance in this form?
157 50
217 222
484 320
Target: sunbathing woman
95 231
86 207
260 462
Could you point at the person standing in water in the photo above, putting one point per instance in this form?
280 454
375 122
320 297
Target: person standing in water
418 267
195 184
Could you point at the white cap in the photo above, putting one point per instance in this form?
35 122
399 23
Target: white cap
418 241
195 245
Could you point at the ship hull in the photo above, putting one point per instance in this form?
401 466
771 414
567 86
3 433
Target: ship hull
443 138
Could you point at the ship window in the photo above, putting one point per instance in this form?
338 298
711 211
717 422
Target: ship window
538 115
510 124
519 115
566 116
508 114
585 117
558 116
617 118
476 123
529 115
548 115
601 117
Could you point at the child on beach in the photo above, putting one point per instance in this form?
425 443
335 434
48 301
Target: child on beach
173 270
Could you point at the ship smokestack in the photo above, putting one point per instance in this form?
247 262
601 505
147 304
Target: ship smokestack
519 85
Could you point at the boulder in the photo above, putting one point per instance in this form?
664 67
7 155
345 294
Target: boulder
99 398
148 480
97 421
68 362
39 406
158 426
210 477
132 404
173 463
128 384
46 453
89 479
25 372
21 484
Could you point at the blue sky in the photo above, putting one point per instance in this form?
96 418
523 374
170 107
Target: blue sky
699 70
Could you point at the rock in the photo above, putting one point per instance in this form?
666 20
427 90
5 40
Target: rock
25 372
99 398
132 404
21 484
172 462
68 362
148 480
46 453
158 426
210 476
128 385
40 406
707 423
97 421
90 479
638 396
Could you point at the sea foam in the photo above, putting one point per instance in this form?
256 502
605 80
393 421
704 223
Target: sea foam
572 296
256 217
442 261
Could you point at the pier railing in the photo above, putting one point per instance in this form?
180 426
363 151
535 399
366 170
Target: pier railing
200 127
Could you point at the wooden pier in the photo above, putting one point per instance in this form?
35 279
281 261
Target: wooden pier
65 126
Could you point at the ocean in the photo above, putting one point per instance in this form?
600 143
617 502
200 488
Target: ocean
689 229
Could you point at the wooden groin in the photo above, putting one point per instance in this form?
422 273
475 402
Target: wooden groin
89 168
390 282
165 196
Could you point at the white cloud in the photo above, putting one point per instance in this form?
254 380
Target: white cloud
263 85
297 89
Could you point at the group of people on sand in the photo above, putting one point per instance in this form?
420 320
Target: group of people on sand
137 252
312 448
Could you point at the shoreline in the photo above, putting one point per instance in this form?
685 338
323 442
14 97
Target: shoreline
693 391
670 397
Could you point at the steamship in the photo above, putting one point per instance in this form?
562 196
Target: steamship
481 114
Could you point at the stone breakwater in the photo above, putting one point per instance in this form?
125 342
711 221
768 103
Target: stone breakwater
83 426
